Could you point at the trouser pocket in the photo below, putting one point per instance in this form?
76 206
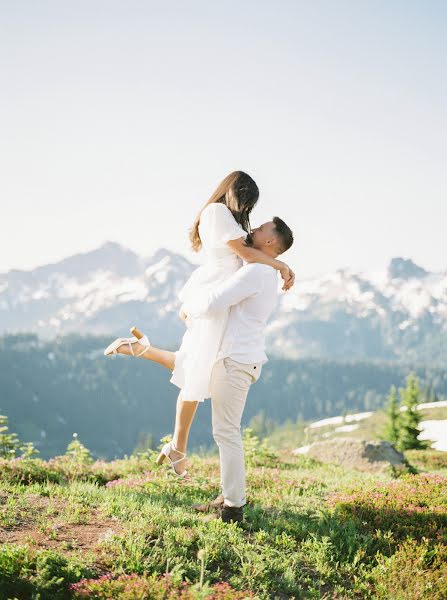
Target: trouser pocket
253 370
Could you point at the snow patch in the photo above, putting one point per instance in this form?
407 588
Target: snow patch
301 450
340 419
435 431
325 422
439 403
432 404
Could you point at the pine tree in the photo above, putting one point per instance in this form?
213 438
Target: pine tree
9 442
28 451
410 418
78 452
393 413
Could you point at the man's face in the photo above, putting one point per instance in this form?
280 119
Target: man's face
262 234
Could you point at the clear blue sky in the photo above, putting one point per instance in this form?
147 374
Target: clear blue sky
118 119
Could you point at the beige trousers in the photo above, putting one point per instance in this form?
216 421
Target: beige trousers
230 382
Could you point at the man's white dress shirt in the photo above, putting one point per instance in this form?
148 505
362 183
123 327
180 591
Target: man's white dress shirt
252 295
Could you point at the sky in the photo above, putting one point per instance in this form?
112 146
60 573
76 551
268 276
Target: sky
119 119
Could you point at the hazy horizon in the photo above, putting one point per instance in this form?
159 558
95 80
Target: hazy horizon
119 120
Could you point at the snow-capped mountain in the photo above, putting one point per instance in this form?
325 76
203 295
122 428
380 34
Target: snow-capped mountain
397 314
105 291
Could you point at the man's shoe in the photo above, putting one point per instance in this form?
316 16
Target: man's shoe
217 503
232 513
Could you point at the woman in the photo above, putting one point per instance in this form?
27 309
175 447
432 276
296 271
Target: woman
219 231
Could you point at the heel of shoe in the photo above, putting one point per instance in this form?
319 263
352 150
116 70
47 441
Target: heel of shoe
161 458
164 454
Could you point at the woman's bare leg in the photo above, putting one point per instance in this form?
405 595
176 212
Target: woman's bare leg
157 355
185 409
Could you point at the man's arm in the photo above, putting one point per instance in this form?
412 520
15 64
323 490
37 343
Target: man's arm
246 282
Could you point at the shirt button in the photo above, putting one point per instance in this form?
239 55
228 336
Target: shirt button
254 367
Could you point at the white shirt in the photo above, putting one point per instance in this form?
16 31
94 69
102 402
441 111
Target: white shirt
252 294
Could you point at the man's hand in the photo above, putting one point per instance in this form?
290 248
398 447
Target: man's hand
288 277
182 314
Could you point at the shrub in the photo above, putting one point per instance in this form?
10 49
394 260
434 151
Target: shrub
44 574
27 471
78 453
413 506
415 570
257 453
65 468
427 459
9 442
151 587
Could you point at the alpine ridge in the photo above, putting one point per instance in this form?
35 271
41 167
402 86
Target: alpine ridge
397 314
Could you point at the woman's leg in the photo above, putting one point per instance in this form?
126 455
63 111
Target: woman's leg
184 416
185 409
157 355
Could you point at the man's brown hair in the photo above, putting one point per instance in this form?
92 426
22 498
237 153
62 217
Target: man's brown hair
284 234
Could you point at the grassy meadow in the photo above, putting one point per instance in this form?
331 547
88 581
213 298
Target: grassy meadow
76 528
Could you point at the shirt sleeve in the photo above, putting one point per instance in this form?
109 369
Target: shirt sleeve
219 221
247 281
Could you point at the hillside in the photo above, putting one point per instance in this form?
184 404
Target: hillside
370 426
126 530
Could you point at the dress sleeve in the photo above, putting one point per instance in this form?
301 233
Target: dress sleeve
220 224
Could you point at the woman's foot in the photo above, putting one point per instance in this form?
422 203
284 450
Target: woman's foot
130 346
125 349
175 455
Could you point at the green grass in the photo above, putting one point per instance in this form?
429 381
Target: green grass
126 530
437 413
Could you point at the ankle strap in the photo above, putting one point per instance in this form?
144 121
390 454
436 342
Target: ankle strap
179 451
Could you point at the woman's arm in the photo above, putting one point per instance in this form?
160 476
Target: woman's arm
251 255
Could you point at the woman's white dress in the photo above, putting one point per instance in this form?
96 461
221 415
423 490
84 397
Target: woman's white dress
201 341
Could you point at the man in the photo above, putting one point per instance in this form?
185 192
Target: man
252 294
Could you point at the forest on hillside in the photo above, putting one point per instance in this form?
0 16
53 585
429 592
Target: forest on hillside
50 390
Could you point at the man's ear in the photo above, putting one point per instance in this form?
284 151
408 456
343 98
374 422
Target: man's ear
274 241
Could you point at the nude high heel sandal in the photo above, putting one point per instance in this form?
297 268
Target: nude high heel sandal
165 451
139 337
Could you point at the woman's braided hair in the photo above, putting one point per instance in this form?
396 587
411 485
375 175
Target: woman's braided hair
239 193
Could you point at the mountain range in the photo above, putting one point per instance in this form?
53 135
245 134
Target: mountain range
398 314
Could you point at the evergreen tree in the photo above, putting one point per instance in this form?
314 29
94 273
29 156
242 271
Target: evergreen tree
9 442
410 417
393 414
78 452
28 451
